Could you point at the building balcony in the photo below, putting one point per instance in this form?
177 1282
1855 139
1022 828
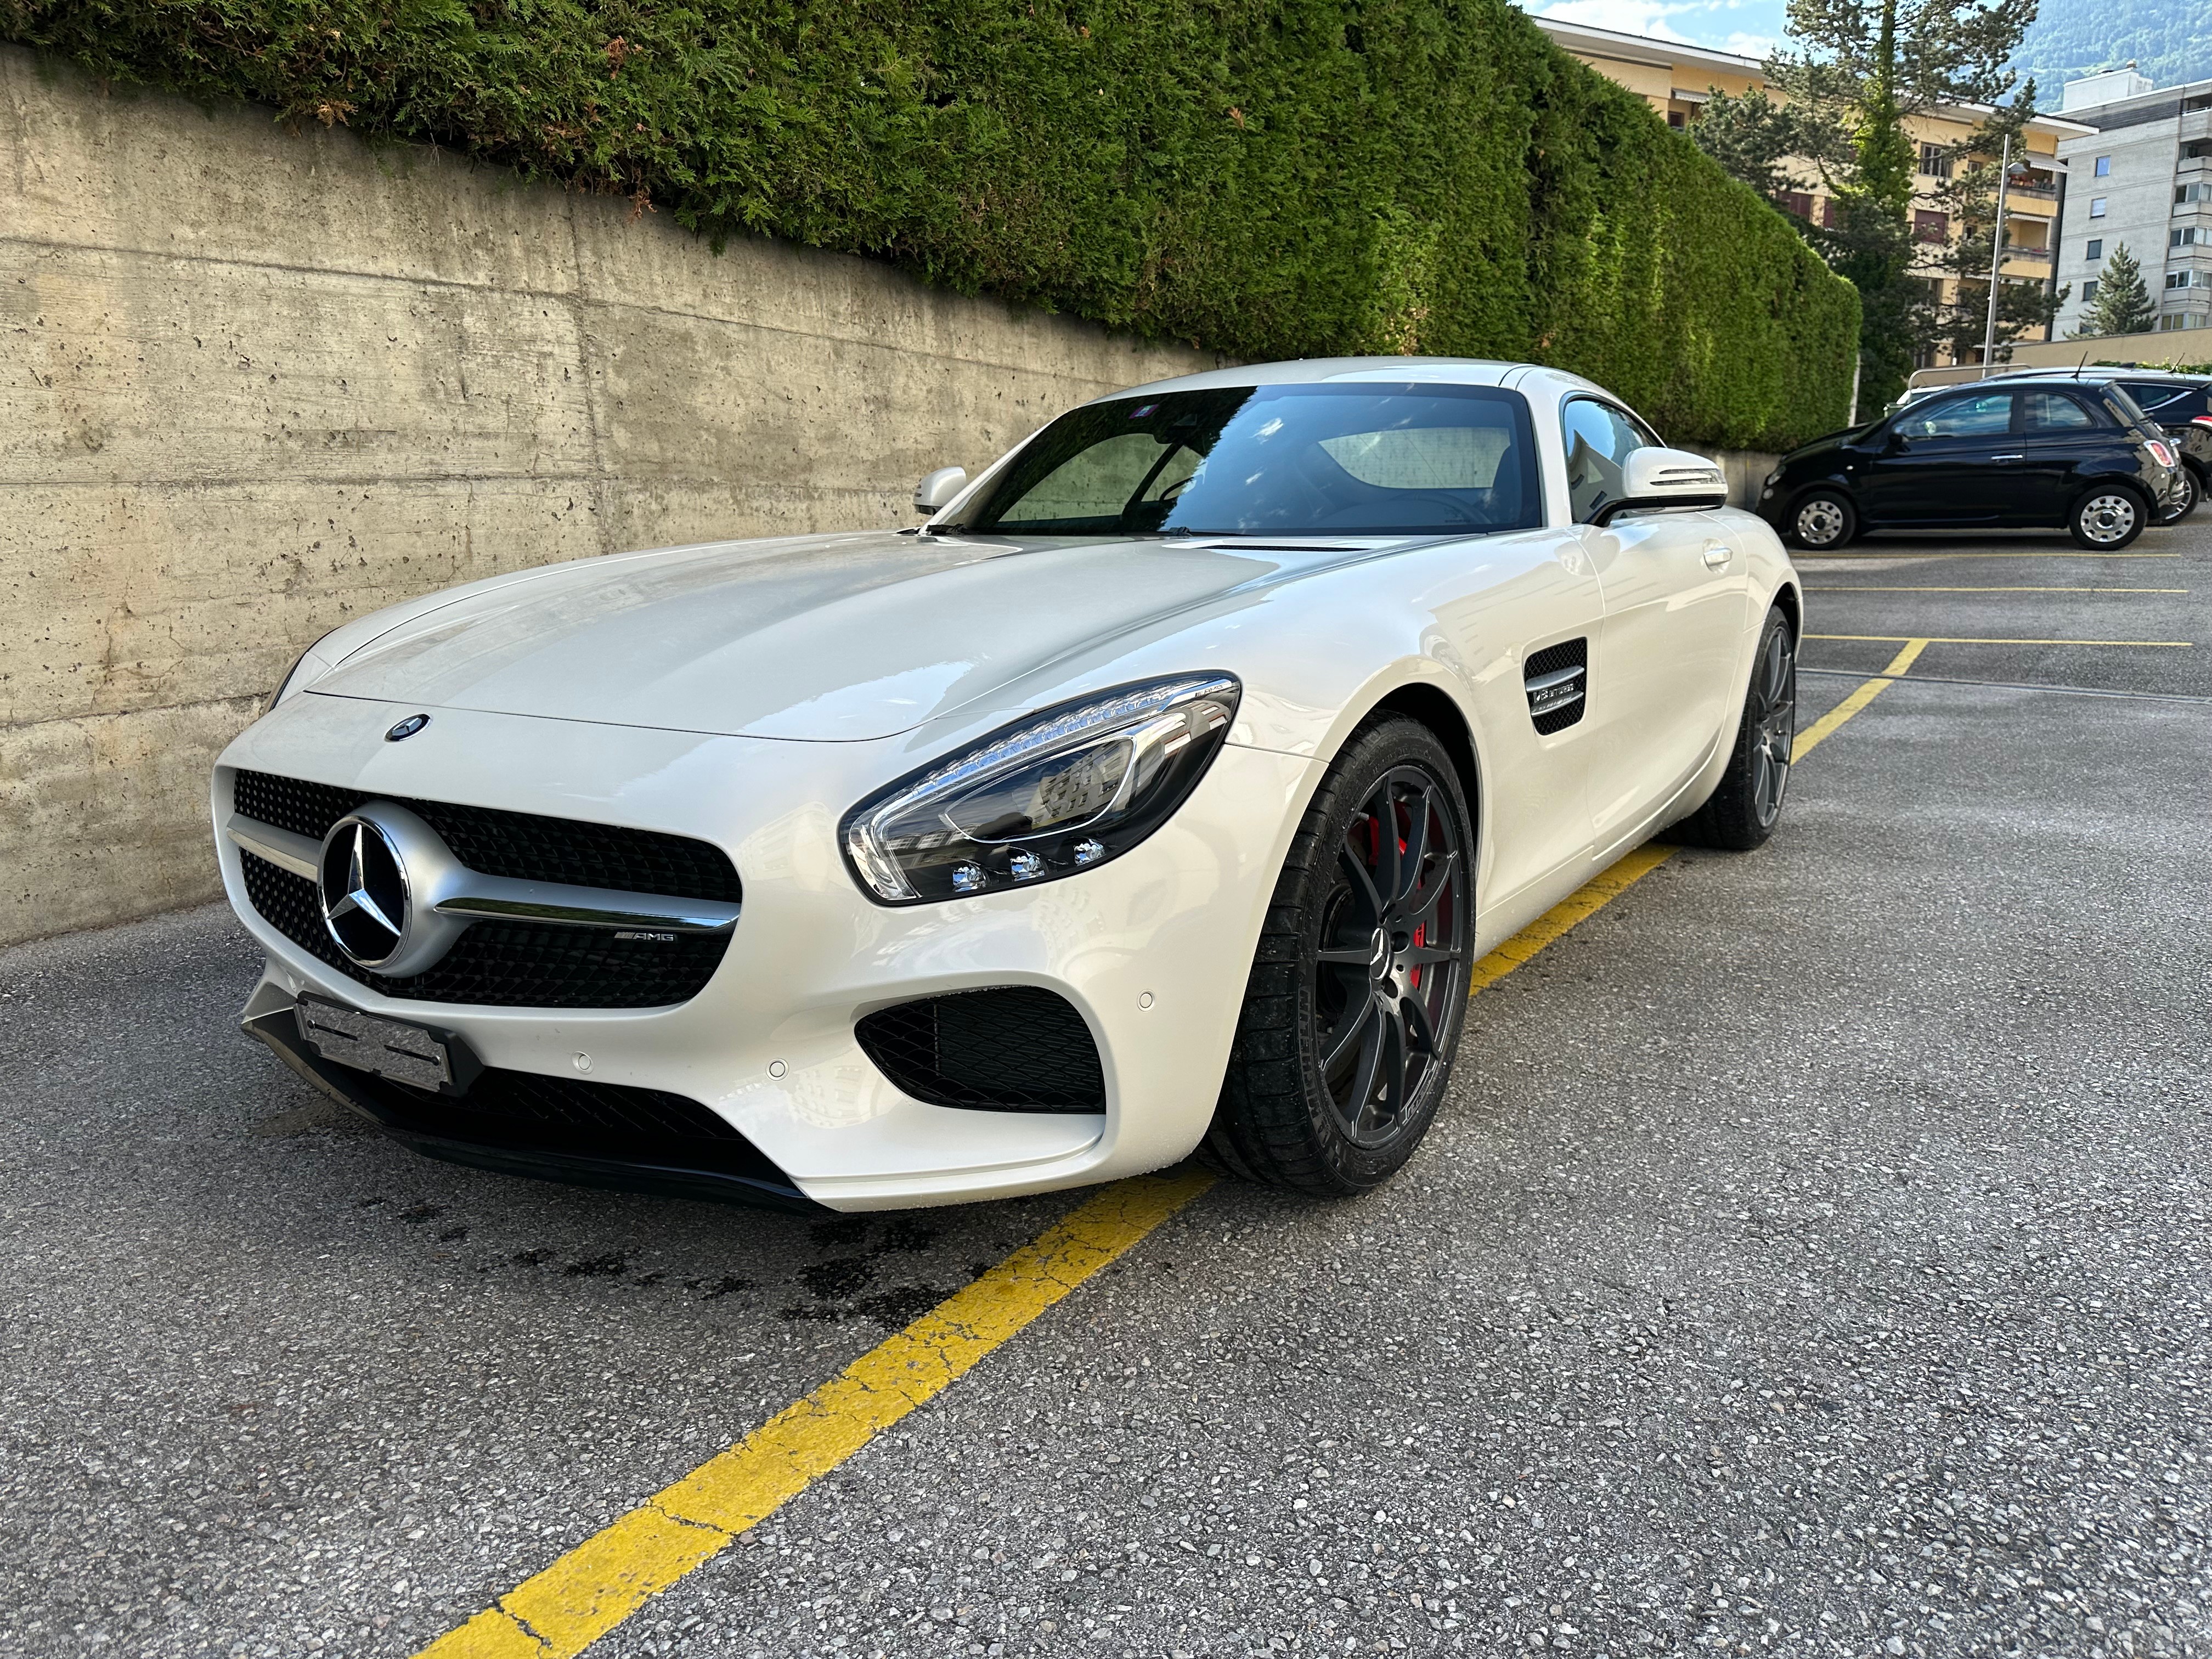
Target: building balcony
2017 191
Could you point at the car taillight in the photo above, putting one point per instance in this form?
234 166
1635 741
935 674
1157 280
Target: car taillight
2164 456
2200 420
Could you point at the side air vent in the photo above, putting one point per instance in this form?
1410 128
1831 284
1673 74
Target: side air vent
1558 679
1017 1049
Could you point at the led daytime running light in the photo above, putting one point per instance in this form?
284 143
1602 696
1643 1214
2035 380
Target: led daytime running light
887 846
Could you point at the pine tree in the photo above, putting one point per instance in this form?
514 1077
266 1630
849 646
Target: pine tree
2123 305
1852 72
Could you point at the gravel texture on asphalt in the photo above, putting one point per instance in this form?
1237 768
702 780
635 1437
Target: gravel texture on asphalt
1815 1257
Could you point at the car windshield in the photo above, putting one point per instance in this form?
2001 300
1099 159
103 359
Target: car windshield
1382 459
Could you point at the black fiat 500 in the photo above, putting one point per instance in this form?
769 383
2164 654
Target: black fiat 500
2019 454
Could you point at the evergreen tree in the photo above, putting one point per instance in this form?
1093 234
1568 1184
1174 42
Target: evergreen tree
2123 305
1969 199
1851 72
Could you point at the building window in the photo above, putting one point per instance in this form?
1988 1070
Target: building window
2104 169
1831 217
1798 203
2096 207
2095 250
2185 237
2184 194
1935 161
2089 289
1677 119
1931 227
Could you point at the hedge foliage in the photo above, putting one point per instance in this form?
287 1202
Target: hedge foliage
1269 178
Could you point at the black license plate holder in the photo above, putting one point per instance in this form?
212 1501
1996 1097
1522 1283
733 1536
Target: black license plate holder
421 1056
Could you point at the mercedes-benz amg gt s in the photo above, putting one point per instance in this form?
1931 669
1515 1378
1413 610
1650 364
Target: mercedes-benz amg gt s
1157 795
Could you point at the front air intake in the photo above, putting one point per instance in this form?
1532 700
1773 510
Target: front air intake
1019 1048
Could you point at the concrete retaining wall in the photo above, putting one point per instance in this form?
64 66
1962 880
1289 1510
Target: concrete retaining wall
254 383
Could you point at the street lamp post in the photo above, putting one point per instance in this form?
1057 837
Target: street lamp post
1996 260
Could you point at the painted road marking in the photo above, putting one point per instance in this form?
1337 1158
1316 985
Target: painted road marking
1857 587
594 1587
1846 558
1940 639
562 1610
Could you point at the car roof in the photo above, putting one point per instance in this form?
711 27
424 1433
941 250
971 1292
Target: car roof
1314 371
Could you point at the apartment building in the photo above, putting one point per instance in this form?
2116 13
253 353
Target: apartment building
2144 177
1675 79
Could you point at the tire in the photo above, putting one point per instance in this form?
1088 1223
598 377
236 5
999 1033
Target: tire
1744 810
2192 491
1823 521
1344 1048
2107 518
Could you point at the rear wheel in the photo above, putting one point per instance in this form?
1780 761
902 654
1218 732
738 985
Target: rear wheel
1744 810
2185 499
1353 1009
1824 519
2107 519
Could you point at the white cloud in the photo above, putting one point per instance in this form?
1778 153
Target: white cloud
1748 45
1646 17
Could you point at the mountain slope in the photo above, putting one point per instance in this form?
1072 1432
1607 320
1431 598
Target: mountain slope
2170 41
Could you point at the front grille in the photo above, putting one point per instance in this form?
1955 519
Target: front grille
1017 1049
503 964
520 845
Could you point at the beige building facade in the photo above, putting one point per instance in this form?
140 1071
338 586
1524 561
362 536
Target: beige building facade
1676 80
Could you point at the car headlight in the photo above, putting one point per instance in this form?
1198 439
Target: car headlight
1056 793
285 687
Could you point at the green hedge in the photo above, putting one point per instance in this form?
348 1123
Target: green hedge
1269 178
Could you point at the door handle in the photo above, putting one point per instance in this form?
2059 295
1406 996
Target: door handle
1717 554
2007 457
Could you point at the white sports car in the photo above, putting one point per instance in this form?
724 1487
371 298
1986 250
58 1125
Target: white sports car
1158 794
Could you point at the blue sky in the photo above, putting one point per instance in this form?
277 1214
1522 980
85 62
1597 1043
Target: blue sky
1748 26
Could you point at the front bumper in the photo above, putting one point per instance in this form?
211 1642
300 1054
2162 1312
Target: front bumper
1153 949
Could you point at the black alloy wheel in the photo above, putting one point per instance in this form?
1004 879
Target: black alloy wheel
1748 804
1358 994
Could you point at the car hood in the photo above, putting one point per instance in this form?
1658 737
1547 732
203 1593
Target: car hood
1829 444
817 638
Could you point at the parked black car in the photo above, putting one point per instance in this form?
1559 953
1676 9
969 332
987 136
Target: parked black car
2181 404
2024 453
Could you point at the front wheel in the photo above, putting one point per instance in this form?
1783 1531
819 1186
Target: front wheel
1744 810
1353 1009
1823 521
2107 519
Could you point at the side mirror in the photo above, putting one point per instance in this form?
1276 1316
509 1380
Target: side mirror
1666 478
939 488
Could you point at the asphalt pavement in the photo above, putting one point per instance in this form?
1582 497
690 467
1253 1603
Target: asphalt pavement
1815 1257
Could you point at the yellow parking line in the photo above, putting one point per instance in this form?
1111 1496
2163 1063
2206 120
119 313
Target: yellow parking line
1869 587
1940 639
594 1587
562 1610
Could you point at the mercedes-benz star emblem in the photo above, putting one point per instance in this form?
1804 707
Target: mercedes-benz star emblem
407 728
364 891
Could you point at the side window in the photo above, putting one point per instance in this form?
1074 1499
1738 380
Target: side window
2054 412
2151 397
1986 415
1599 440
